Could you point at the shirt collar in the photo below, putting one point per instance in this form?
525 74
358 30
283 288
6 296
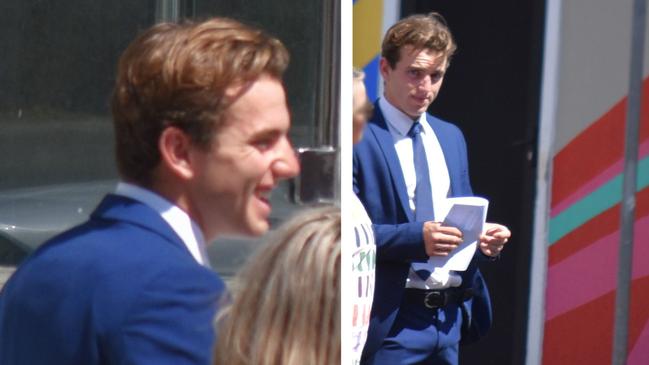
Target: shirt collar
398 120
178 219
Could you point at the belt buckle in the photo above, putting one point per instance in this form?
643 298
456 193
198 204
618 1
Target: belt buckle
435 299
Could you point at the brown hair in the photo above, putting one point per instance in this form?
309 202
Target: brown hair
420 31
180 75
285 307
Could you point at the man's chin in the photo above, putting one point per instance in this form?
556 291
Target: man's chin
422 110
247 228
415 112
258 227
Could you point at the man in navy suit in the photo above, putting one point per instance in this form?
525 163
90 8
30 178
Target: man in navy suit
201 125
407 164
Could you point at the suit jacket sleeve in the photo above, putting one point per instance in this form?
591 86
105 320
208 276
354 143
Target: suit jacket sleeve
400 242
395 241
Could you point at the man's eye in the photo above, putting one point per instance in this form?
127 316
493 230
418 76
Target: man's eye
436 76
263 144
414 73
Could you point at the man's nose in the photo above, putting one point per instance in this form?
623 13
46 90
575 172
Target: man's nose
426 82
287 165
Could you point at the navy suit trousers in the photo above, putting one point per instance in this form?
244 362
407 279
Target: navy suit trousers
421 335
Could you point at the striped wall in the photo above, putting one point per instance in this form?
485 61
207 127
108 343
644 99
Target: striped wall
367 24
583 244
574 267
583 227
371 19
587 154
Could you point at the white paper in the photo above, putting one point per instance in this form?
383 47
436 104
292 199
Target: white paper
468 214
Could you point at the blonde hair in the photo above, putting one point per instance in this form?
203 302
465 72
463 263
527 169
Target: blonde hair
357 78
358 74
285 307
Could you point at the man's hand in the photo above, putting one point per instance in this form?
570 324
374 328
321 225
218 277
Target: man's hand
494 238
440 240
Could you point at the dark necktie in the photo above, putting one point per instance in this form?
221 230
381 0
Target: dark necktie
423 194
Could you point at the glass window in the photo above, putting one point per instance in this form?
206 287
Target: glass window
57 72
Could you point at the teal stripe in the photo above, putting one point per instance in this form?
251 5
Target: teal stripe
584 210
643 173
605 197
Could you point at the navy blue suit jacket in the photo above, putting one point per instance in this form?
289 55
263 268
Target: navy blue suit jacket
380 185
121 288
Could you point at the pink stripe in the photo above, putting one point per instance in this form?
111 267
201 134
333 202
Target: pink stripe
592 272
595 183
640 353
640 248
587 188
582 277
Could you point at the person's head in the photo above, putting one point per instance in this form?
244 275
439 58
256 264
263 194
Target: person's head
285 307
362 108
415 54
200 116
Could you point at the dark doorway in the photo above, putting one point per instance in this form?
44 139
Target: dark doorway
492 92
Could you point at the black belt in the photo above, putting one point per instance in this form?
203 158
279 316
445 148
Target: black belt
438 298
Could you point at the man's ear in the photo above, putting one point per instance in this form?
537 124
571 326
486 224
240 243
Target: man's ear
384 67
175 147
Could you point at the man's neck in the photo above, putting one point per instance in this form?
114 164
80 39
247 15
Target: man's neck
388 98
178 218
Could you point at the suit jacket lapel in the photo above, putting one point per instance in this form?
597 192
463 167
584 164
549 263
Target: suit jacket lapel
380 130
116 207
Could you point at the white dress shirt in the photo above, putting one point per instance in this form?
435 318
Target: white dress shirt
399 124
178 219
